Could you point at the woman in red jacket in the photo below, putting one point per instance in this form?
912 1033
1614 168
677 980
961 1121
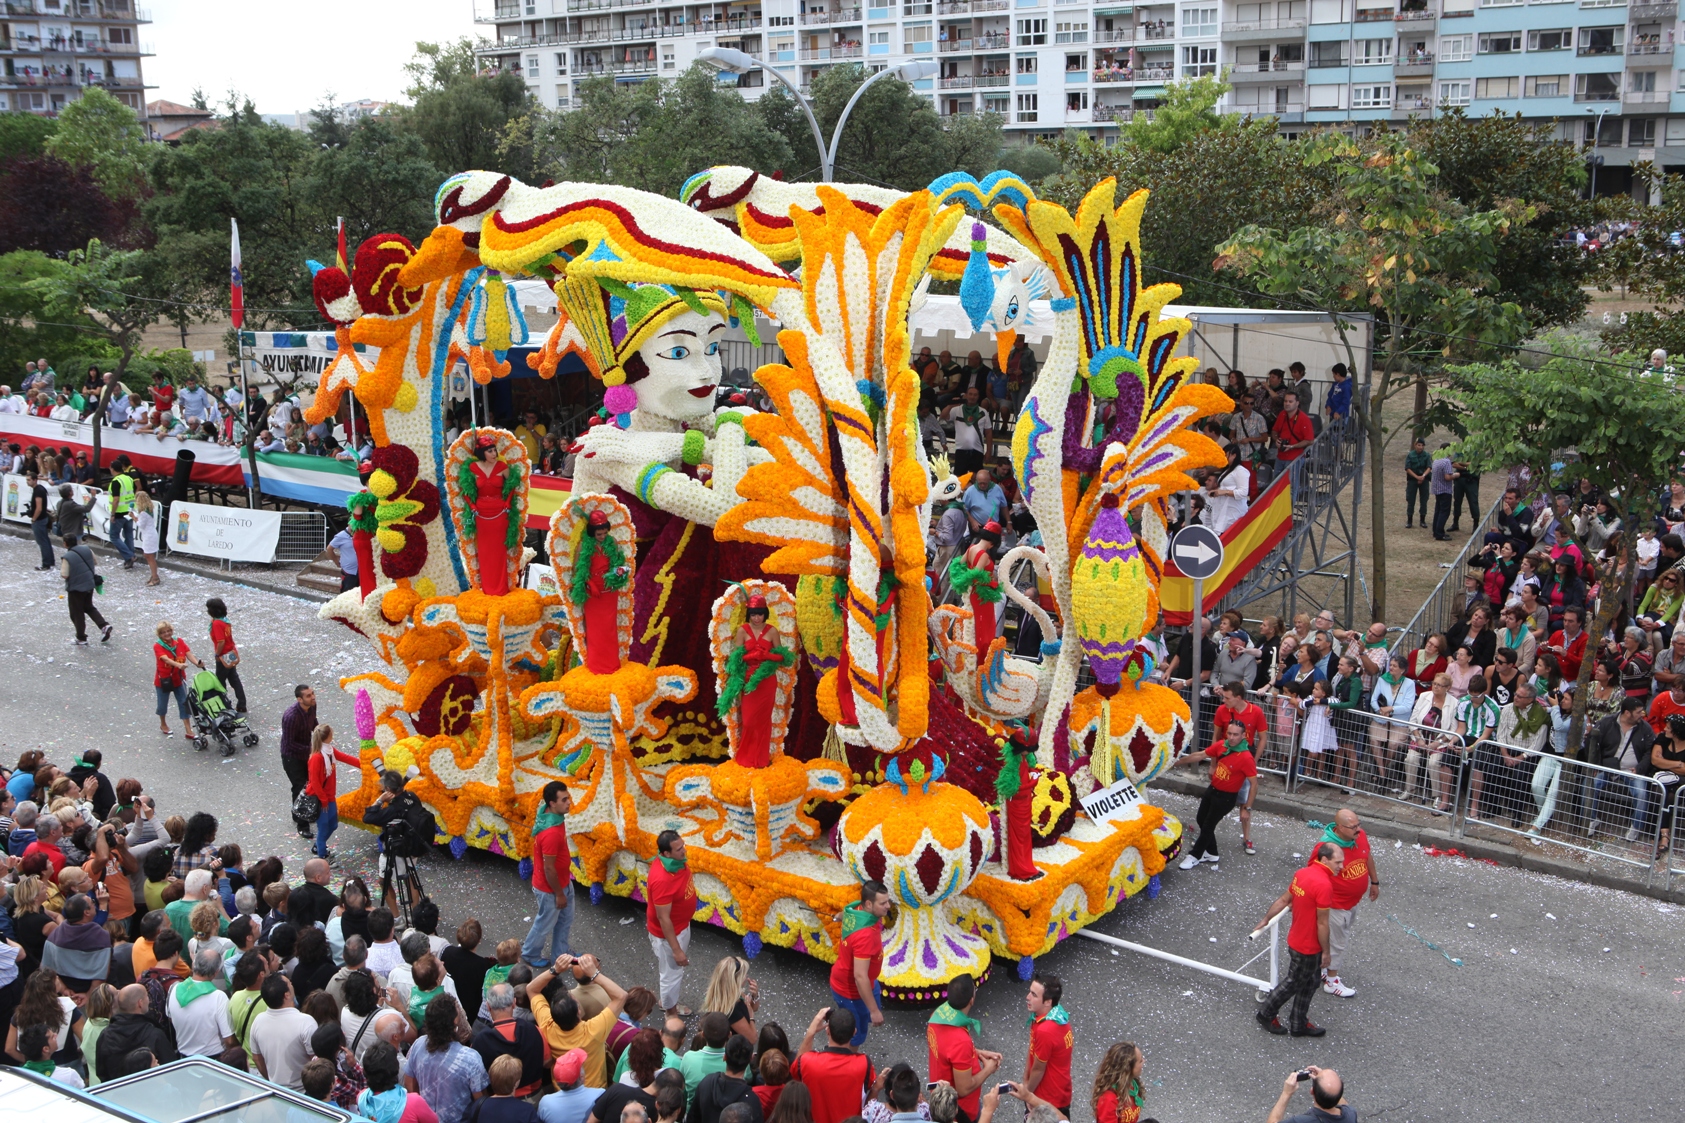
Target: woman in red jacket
324 782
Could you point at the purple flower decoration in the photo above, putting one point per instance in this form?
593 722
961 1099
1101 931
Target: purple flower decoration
362 711
525 869
459 847
1154 888
596 893
1026 968
751 944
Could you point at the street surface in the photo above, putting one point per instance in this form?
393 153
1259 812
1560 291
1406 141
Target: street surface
1569 1002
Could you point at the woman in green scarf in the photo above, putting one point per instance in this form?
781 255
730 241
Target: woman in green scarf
1119 1093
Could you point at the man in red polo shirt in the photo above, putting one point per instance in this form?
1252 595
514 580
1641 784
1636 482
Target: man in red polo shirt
954 1057
1236 705
1047 1070
552 879
1356 877
838 1077
672 902
1293 430
1232 765
1568 643
1310 895
854 976
1669 702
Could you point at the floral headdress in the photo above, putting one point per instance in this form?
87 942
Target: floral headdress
614 318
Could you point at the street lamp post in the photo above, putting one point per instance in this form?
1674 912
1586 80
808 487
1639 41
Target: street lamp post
1596 137
739 62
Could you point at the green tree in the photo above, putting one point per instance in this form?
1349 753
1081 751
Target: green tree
1486 161
1241 175
1647 265
1602 418
1186 109
24 134
97 289
649 135
377 176
1384 241
1030 162
459 114
97 131
26 331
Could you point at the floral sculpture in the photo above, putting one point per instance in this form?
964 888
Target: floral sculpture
782 551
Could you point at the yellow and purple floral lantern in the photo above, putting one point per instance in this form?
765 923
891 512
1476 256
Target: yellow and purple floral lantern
1110 594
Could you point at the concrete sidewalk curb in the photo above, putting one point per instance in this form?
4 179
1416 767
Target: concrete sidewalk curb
1312 804
297 592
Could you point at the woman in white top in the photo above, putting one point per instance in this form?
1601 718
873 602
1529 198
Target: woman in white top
1434 710
146 524
1394 696
1230 495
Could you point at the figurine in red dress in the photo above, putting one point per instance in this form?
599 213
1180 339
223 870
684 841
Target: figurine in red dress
599 576
487 484
752 682
974 576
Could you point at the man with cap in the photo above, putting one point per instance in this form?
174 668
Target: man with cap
572 1102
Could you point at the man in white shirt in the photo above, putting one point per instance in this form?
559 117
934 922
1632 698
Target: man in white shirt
199 1010
384 954
8 404
280 1036
972 431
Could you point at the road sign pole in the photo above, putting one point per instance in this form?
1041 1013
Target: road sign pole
1199 649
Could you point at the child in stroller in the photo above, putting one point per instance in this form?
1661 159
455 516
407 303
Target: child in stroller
216 719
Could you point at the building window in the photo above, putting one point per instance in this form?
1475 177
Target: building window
1032 32
1488 88
1597 87
1026 107
1371 97
1026 64
1642 134
1373 51
1074 32
1199 21
1456 48
120 35
1198 61
1643 82
532 66
561 96
917 33
1546 85
878 38
1500 42
1453 93
1077 63
667 61
1331 53
1556 39
1601 40
781 21
1076 100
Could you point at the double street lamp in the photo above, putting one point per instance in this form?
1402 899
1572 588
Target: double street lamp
733 61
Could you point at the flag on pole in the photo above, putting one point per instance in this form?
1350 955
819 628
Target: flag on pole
236 283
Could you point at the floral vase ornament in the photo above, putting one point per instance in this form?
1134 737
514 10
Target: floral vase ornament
926 841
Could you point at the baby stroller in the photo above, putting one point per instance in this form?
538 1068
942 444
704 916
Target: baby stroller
215 719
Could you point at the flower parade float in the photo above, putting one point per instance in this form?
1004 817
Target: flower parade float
742 644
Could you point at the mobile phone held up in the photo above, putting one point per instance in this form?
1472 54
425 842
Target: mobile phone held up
1303 1075
1004 1088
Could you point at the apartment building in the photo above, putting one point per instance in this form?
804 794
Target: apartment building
1602 70
52 50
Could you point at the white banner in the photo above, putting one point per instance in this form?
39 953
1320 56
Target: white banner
542 579
1120 801
16 508
229 533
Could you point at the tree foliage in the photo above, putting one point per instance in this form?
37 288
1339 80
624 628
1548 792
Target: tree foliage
26 330
459 114
50 206
1387 242
24 134
100 133
1186 109
1649 267
374 174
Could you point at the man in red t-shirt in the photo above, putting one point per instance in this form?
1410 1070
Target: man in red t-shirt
1232 765
1669 702
1293 430
954 1057
552 879
1310 895
672 901
1356 877
838 1077
854 976
1047 1070
1568 643
1235 704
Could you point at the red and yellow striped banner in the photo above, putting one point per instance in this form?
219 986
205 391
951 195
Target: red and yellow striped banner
1266 523
545 498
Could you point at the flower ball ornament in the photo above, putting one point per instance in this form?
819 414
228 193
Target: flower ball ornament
1110 594
926 841
1053 807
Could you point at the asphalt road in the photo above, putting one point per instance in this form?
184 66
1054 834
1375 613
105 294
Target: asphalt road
1568 1003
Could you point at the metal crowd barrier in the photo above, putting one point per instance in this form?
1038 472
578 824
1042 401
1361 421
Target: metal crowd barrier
1567 802
1675 860
1435 615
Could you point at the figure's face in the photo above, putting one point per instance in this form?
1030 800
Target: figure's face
684 367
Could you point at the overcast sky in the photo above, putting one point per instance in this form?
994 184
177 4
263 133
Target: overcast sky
287 57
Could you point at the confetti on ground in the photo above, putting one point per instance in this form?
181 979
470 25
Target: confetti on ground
1409 931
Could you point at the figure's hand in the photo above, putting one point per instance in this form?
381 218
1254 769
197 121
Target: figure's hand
614 445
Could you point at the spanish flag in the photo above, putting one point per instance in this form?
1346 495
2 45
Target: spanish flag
1266 523
544 498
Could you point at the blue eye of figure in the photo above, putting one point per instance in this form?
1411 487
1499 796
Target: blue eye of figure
1012 310
713 348
676 353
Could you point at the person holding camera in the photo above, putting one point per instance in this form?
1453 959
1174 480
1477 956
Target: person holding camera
1328 1098
406 830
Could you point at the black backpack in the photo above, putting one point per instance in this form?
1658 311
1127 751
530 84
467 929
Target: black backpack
411 834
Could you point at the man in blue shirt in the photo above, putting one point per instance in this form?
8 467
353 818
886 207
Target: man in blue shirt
1339 404
984 501
192 401
346 547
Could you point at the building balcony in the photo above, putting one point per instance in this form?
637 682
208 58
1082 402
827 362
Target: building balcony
1374 15
118 11
1645 97
1644 13
1414 66
1649 49
1252 31
820 54
30 44
1600 51
1117 35
1264 71
842 15
1596 95
961 7
640 66
1417 17
1114 76
1406 107
954 46
1166 32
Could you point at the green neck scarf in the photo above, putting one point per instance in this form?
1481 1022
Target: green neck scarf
1391 679
1058 1016
1328 835
671 865
1230 750
45 1068
545 820
854 918
946 1015
1137 1094
1529 723
187 990
588 549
